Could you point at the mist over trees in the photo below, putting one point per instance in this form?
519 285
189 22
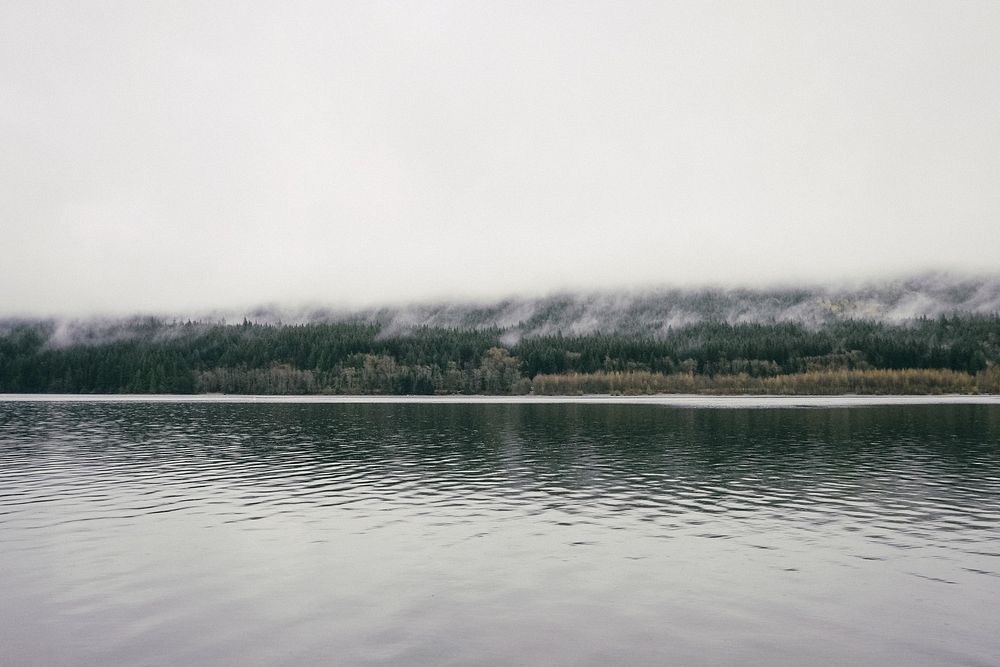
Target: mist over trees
925 355
656 313
931 333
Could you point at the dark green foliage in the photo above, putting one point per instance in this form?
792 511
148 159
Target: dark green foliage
152 356
960 343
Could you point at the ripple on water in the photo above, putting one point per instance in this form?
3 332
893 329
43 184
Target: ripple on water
252 533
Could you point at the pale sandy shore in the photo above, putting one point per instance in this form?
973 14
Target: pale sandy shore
672 400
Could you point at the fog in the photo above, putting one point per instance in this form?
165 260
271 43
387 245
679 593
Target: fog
656 311
652 313
181 157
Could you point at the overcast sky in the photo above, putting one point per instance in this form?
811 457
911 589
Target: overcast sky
163 156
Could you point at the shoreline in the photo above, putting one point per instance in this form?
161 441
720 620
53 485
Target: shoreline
668 400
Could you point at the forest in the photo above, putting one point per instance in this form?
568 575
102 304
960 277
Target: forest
946 354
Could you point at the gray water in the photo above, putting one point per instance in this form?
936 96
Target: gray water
243 534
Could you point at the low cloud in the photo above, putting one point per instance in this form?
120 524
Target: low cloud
651 312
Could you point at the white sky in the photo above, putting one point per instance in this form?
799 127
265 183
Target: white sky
179 155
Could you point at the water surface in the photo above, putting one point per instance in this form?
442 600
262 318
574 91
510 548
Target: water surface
219 533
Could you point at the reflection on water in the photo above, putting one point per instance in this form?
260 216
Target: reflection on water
457 534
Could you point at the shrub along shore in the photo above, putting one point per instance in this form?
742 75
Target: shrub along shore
871 381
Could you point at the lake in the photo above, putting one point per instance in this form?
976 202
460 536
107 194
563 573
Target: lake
431 533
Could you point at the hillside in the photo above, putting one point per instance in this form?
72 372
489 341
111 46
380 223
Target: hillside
925 335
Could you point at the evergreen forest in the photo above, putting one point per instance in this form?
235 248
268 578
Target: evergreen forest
959 353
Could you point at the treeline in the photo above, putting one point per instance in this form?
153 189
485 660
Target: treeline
152 356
